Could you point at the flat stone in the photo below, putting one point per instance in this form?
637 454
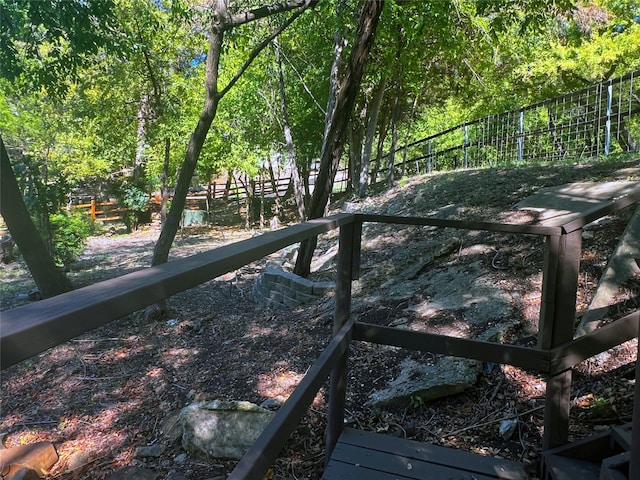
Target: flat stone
153 451
134 473
446 377
468 288
219 429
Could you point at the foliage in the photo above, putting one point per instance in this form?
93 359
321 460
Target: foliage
89 88
45 43
69 232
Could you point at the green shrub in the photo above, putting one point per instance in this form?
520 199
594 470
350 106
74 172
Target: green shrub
69 233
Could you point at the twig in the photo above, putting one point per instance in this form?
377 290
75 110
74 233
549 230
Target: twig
493 262
524 260
495 391
42 422
78 340
508 417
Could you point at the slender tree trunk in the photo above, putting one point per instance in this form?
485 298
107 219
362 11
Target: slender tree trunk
356 137
165 182
170 228
49 278
275 186
261 201
222 20
141 137
333 143
298 187
375 168
227 185
395 113
372 125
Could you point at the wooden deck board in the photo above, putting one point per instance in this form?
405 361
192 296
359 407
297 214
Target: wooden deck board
360 454
558 467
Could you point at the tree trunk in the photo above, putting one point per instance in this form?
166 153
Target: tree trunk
375 169
333 143
356 137
275 186
170 228
49 278
165 182
372 124
222 20
227 185
298 187
395 114
261 201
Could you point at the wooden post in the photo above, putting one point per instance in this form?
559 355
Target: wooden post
634 462
348 263
557 319
93 209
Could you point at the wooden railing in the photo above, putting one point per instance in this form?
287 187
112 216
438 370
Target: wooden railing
109 211
28 330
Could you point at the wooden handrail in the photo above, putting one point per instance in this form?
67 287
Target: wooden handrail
608 336
525 357
256 462
463 224
28 330
31 329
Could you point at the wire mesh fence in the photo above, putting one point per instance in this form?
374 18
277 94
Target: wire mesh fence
601 119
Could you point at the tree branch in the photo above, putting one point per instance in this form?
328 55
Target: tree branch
256 51
268 10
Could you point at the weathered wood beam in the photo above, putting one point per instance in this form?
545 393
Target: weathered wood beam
256 462
623 202
557 318
348 263
529 358
572 353
463 224
31 329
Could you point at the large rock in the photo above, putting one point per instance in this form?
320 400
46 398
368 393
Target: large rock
219 429
461 301
420 382
134 473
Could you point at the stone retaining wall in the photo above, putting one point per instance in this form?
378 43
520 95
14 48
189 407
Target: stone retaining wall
279 289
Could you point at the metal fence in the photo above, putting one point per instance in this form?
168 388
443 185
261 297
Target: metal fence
598 120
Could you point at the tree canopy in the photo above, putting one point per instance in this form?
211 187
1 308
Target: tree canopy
93 91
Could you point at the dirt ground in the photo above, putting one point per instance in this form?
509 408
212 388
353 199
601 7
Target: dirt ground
102 395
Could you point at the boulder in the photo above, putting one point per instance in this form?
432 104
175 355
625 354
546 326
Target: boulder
422 382
134 473
459 301
222 429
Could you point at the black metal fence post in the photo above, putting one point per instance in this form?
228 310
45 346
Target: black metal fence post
348 268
